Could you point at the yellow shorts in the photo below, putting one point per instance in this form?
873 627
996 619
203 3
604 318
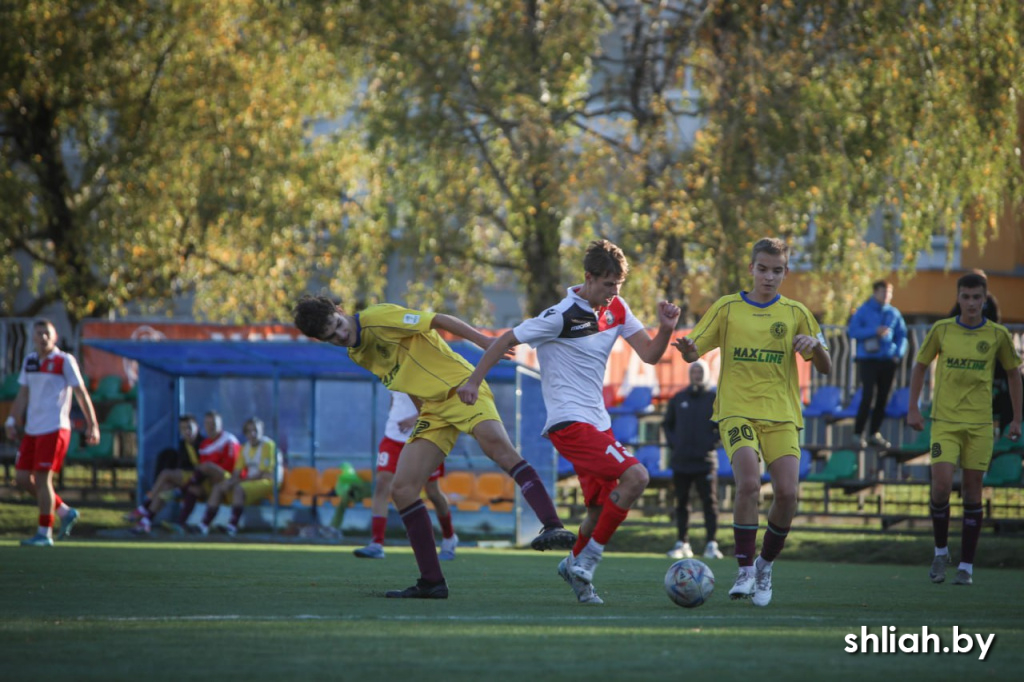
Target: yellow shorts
440 422
257 490
969 445
771 440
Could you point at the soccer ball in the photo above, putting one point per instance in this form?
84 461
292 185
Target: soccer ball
689 583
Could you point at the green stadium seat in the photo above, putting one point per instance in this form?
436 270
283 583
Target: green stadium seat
841 465
109 388
9 388
1005 470
121 417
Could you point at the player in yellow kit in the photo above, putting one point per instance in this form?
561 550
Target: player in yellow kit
967 348
402 348
758 407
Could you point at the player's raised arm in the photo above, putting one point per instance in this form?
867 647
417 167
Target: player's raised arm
469 390
650 349
454 325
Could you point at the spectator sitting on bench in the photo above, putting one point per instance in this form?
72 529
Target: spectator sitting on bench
174 467
258 471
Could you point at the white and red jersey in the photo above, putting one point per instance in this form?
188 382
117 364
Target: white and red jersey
402 408
573 342
222 451
49 382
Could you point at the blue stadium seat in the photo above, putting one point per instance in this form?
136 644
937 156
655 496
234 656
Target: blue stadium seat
899 403
565 468
626 427
637 402
724 465
850 411
805 463
825 402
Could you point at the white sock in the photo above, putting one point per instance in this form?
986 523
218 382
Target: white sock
966 567
46 530
942 551
63 510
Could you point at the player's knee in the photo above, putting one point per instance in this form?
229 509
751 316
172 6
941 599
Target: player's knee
748 487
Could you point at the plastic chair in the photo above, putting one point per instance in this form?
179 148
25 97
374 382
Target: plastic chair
109 388
805 463
825 402
104 449
326 483
490 490
120 418
724 465
899 403
841 465
458 487
9 389
850 411
637 402
1004 470
626 428
1004 445
565 468
650 457
298 486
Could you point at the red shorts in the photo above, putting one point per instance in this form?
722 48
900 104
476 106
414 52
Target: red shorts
387 457
598 458
45 451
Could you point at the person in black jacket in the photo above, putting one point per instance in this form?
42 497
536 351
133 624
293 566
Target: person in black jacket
693 436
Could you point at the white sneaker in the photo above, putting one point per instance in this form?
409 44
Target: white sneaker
203 528
231 529
584 565
762 582
585 593
937 573
711 551
448 546
744 585
682 550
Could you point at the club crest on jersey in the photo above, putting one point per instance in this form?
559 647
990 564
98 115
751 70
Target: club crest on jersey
983 347
411 318
609 318
778 330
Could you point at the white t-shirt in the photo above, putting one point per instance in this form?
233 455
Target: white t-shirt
49 382
573 342
402 407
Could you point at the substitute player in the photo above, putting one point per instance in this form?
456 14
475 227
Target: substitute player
758 407
402 416
573 340
402 347
967 348
49 377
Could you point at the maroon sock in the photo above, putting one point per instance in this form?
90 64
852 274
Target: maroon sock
535 494
421 536
746 544
446 525
774 539
940 523
973 516
187 505
211 511
236 515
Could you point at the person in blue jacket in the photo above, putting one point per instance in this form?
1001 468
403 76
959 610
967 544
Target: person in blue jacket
881 336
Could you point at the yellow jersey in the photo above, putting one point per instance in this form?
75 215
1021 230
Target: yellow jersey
963 373
398 345
758 378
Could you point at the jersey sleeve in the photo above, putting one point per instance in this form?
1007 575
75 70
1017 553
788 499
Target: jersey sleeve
809 326
1007 353
537 330
930 348
631 325
399 320
71 373
708 332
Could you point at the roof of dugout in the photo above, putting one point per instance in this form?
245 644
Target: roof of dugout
284 359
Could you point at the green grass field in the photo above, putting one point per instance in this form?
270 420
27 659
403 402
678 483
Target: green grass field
100 610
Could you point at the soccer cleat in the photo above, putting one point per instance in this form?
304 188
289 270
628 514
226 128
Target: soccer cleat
554 538
938 570
67 523
744 585
173 528
682 550
585 593
202 528
861 441
231 529
584 565
421 590
879 441
762 582
963 577
374 550
143 527
38 540
448 546
711 551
